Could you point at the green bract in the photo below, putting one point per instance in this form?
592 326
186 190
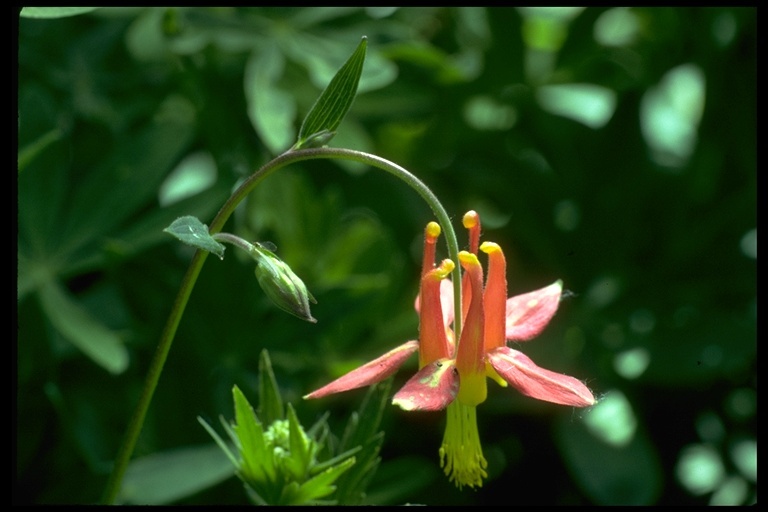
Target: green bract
330 108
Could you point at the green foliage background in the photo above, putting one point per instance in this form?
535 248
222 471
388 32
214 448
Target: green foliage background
640 195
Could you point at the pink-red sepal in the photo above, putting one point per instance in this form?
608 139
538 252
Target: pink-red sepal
369 373
431 389
528 314
531 380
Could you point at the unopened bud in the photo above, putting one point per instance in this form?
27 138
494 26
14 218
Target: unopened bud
281 285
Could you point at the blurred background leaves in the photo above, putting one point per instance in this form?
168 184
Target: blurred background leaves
614 148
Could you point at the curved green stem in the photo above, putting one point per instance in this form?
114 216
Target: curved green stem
188 283
234 240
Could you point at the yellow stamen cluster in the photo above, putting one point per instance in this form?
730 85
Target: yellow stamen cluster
461 455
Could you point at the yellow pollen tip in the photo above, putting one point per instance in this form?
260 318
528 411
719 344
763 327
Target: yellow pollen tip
432 231
468 259
446 267
489 247
470 219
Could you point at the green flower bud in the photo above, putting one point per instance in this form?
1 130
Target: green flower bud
281 285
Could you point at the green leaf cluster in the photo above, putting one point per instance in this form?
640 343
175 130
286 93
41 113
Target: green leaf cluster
280 462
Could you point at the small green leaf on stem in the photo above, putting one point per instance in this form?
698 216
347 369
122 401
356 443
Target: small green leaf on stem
330 108
192 232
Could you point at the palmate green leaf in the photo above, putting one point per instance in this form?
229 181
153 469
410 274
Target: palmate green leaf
128 179
166 477
330 108
81 329
192 232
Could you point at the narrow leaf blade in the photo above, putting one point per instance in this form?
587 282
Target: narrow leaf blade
81 329
330 108
163 478
270 401
53 12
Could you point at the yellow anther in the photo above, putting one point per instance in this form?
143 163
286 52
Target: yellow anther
470 219
468 259
489 247
432 231
445 268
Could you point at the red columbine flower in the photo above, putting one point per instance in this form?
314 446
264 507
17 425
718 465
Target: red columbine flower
435 339
455 376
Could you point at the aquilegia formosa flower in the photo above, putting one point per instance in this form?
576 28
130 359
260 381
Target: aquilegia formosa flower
452 375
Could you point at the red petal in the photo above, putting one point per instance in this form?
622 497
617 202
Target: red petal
446 301
519 371
431 389
528 314
370 373
495 297
433 339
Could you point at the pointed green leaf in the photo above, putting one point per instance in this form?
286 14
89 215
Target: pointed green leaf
300 446
322 466
192 232
81 329
256 463
321 485
270 401
332 105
